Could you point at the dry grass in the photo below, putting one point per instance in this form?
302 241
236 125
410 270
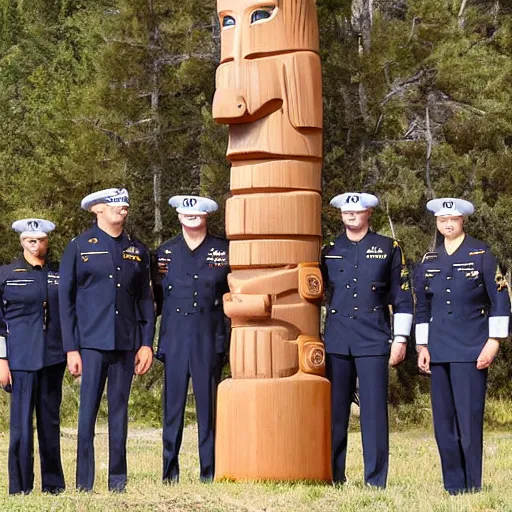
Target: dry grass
414 481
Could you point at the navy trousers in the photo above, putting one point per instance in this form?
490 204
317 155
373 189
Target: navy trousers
40 390
458 402
372 372
204 380
98 365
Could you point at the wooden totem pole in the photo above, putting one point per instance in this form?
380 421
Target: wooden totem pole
273 416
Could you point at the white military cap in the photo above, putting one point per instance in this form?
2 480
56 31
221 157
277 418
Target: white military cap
193 205
110 196
33 228
450 206
354 201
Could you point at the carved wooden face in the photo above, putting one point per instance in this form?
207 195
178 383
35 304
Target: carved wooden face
252 29
269 78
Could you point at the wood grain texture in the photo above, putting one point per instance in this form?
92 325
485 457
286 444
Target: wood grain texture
275 175
285 213
273 416
275 429
293 27
273 253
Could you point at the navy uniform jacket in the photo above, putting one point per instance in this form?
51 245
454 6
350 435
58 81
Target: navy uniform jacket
461 301
362 279
106 300
29 315
189 285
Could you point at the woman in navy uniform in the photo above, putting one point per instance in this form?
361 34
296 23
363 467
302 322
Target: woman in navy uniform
462 310
365 273
190 278
32 361
108 323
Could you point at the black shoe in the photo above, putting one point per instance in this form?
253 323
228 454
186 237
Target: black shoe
172 480
21 493
338 484
80 488
118 490
54 490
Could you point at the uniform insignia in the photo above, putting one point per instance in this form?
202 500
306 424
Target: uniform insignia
476 252
429 256
163 265
20 270
396 245
465 267
168 251
53 278
132 253
93 240
501 281
404 279
472 274
376 253
85 258
132 250
216 258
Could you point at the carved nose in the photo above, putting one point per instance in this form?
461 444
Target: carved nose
228 104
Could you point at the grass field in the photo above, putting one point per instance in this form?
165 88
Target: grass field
414 481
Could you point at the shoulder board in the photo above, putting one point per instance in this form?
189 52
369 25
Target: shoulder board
430 256
327 247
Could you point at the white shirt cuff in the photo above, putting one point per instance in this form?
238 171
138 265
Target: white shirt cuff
422 334
402 324
3 347
498 326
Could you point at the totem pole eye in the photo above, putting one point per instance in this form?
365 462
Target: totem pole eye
228 21
264 13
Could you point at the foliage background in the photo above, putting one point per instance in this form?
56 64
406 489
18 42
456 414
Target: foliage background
102 93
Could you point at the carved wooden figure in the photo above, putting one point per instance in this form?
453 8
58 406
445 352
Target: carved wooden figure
273 416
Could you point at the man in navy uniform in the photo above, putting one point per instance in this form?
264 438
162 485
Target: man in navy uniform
190 279
107 317
32 360
462 310
365 274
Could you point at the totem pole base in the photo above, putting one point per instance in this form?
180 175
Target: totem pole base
274 429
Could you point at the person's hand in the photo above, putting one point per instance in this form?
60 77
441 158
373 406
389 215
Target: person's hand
423 359
397 354
5 374
143 360
488 353
74 363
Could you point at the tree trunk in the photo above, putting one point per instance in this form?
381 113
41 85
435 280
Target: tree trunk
462 18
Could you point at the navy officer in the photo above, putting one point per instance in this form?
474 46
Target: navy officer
190 279
32 360
462 310
107 317
365 274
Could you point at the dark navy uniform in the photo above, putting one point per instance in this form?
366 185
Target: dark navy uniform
189 286
462 300
29 320
363 278
107 313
